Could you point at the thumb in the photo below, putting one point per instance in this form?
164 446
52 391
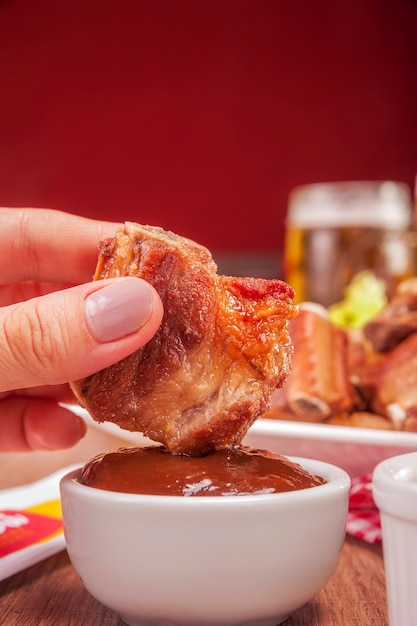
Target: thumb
70 334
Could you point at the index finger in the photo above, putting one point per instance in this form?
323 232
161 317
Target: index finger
49 245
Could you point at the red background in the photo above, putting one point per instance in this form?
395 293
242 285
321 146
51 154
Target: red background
201 115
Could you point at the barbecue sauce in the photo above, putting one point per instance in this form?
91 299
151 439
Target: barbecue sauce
227 472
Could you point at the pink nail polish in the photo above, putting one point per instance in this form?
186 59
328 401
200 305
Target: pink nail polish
119 309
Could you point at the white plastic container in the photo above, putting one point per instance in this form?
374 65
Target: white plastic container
395 494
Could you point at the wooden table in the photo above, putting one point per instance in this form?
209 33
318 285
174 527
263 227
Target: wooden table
50 592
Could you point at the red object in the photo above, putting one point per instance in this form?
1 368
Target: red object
20 529
200 116
363 517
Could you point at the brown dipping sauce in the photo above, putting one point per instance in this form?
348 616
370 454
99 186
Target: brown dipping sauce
155 471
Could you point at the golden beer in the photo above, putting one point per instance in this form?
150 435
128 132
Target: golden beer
336 230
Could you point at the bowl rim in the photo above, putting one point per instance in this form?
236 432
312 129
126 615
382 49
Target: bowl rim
392 489
337 479
397 472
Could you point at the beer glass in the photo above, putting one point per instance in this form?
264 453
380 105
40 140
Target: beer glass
336 230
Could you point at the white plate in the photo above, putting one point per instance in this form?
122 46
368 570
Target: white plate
356 450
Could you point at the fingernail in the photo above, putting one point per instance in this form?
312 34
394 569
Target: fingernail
119 309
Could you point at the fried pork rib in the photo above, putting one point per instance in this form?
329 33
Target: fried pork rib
318 385
210 370
397 320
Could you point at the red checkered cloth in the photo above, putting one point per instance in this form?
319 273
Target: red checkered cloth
363 517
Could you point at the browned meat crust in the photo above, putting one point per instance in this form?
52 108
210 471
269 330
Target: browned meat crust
397 320
210 370
319 384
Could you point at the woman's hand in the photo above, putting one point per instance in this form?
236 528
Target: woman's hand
56 325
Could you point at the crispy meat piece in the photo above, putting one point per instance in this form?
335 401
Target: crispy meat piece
397 320
361 419
319 384
396 381
210 370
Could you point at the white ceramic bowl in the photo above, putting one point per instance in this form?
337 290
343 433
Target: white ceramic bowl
172 560
395 494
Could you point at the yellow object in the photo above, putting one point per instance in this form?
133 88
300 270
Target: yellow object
48 509
51 509
364 297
